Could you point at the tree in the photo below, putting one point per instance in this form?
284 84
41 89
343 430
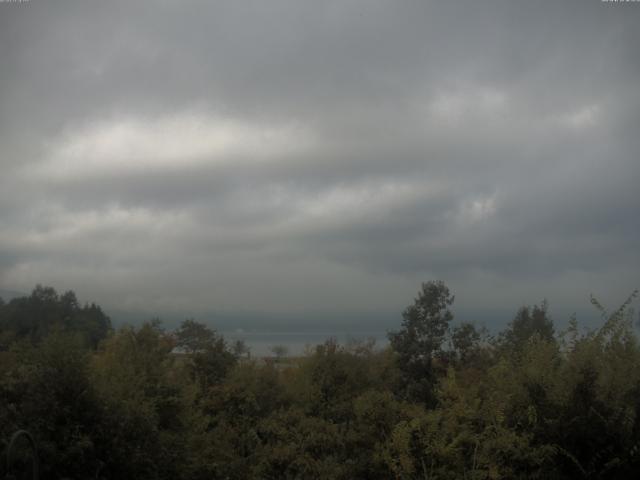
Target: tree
241 349
280 351
47 390
528 321
209 358
465 339
44 311
143 407
424 326
194 336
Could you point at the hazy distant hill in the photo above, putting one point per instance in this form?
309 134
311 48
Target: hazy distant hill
7 295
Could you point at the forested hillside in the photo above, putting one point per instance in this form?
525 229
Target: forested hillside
444 401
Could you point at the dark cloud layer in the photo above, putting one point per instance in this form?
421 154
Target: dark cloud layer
319 158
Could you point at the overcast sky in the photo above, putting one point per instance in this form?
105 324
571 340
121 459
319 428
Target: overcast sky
310 159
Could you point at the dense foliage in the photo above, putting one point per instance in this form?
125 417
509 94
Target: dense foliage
443 401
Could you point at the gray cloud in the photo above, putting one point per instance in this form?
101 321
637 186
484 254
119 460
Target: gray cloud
298 159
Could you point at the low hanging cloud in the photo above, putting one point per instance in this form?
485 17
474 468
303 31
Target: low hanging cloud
301 160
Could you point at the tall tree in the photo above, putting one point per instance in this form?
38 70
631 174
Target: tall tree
424 327
529 321
209 357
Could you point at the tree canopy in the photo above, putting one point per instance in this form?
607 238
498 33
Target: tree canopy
35 316
442 401
424 327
